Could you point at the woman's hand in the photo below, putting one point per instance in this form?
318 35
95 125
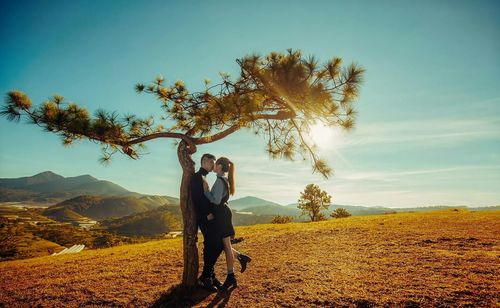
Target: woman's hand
205 185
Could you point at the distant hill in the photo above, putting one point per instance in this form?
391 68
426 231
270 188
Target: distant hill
97 207
486 208
49 187
159 200
293 210
22 182
161 220
61 213
357 210
13 195
154 222
130 216
243 219
69 183
247 202
273 210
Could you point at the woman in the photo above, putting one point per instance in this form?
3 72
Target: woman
222 188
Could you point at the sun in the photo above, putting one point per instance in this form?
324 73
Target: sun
325 137
321 134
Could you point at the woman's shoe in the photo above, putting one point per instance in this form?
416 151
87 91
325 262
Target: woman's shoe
236 240
244 259
230 281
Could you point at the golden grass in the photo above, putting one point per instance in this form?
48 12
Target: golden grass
440 258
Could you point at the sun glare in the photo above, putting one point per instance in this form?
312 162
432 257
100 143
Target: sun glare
330 140
321 134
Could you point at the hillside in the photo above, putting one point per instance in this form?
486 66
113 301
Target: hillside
156 201
61 213
150 223
17 242
20 240
246 202
100 208
161 220
440 258
26 181
62 184
51 187
13 195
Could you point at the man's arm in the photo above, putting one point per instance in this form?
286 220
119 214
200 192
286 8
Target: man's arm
195 196
201 204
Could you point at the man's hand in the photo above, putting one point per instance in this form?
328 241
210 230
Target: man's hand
210 216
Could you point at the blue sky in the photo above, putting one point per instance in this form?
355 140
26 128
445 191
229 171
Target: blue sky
428 130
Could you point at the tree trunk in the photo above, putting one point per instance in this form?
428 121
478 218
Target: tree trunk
190 234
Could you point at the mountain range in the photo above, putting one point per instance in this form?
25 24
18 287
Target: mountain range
84 190
83 197
49 187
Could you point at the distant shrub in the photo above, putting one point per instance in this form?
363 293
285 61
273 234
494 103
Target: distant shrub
321 217
340 213
103 241
278 219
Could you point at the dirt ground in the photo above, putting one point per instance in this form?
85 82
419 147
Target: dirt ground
440 258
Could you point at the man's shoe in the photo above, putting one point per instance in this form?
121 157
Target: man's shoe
216 282
230 281
244 259
207 284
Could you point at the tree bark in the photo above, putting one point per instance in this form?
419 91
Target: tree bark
190 232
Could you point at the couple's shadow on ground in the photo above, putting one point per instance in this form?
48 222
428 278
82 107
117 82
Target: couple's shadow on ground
180 296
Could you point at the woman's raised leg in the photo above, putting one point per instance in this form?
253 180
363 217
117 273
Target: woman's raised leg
228 250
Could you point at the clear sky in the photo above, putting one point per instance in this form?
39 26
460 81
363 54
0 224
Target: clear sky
428 130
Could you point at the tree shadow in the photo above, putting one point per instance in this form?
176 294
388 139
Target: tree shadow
222 297
181 296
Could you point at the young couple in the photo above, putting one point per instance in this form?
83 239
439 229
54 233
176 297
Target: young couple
214 219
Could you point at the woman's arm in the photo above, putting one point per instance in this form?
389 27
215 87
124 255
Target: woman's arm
215 196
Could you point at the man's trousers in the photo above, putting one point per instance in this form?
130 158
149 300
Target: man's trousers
212 246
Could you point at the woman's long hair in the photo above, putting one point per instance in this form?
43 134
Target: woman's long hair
227 166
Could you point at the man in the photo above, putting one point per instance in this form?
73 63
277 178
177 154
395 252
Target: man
212 243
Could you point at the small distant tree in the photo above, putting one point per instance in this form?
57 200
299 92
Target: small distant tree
278 219
340 213
312 201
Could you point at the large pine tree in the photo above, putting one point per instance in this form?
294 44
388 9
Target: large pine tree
279 96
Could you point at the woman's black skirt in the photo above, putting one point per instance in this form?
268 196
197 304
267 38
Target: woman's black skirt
224 220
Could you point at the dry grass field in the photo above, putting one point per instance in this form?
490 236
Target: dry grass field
429 259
